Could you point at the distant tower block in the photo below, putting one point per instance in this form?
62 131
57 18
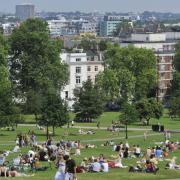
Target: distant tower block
25 11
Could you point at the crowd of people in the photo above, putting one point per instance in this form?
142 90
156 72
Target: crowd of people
61 154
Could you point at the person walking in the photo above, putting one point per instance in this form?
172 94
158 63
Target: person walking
60 164
98 125
70 170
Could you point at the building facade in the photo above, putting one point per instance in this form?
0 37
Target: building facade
25 11
164 50
82 66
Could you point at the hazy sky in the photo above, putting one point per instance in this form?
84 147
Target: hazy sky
96 5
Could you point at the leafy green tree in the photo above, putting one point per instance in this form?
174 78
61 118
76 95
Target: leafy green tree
130 73
129 114
89 102
37 72
174 108
88 44
7 103
1 30
175 87
149 108
103 45
35 65
123 29
53 113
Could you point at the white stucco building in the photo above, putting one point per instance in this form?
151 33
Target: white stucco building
82 66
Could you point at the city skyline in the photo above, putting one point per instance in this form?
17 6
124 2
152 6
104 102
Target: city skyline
95 5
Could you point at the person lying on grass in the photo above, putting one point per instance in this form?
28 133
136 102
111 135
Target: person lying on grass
172 164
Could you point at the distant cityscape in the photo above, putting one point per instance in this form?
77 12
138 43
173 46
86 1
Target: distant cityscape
151 30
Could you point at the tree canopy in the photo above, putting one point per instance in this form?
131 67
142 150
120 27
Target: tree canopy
89 102
37 72
8 107
130 73
175 88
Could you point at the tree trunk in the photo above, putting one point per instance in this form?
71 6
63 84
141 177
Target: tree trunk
126 130
47 132
36 117
148 122
53 130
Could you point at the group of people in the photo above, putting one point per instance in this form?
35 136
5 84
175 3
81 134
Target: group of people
61 154
26 139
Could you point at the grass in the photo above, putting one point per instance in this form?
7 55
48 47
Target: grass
10 136
106 120
115 174
7 141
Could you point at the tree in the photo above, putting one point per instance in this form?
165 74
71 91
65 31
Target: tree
53 113
35 64
88 102
7 103
88 44
103 45
175 87
174 108
149 108
1 30
123 29
131 71
128 115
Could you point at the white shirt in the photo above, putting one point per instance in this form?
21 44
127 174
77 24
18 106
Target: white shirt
31 152
96 167
138 150
105 167
61 166
16 149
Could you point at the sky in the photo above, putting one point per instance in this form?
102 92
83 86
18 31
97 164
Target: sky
96 5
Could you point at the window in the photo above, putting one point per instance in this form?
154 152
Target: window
89 77
78 59
162 91
89 68
78 79
162 67
96 68
78 70
66 94
162 75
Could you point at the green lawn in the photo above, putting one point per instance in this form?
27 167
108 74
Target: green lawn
7 140
117 174
106 120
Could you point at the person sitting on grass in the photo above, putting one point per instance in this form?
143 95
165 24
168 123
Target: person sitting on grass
84 165
105 166
153 159
158 152
4 171
14 173
16 149
137 168
150 167
137 151
96 166
37 166
118 162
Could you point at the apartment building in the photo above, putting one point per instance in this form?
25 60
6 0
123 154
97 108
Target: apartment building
82 66
164 50
110 23
25 11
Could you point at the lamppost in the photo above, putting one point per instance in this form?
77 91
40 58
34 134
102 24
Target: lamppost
47 130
